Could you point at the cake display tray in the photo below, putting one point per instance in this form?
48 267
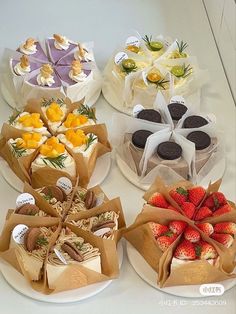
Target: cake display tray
144 270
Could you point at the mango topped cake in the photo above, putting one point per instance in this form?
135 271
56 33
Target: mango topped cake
57 66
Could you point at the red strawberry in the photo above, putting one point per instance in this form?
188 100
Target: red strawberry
222 210
158 200
188 209
165 241
225 239
215 200
173 208
206 227
196 195
158 229
179 195
225 227
192 234
205 250
185 250
202 213
177 226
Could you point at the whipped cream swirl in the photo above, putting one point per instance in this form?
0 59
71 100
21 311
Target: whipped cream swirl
42 81
62 46
19 70
81 77
29 50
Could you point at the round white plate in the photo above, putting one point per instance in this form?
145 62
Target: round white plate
116 104
216 173
100 172
144 270
18 282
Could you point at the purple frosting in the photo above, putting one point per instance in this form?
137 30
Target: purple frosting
57 83
63 72
39 54
33 65
56 54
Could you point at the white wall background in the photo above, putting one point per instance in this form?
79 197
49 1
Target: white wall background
222 16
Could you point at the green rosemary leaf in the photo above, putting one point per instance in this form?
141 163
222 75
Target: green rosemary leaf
79 245
47 102
48 196
87 111
91 139
128 71
17 151
13 117
81 196
187 70
56 162
181 46
147 40
41 241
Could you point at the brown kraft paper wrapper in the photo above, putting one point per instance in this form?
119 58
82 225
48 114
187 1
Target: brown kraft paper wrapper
112 205
76 276
85 166
19 165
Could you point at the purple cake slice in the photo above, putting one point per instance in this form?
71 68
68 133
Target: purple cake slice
56 54
34 81
63 72
38 55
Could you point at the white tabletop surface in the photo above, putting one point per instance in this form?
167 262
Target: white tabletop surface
109 22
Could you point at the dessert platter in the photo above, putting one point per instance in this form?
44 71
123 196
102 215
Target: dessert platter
172 140
184 237
60 242
51 138
55 67
142 66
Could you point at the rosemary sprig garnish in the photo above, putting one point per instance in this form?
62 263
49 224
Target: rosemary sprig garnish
91 139
57 162
187 70
41 241
13 117
161 83
48 196
81 196
147 40
87 111
79 245
181 46
47 102
17 151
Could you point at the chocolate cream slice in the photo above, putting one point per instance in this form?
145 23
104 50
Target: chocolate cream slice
194 122
150 115
177 111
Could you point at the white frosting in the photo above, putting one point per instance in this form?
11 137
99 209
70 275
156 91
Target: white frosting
55 125
28 151
179 262
18 125
62 46
42 81
21 71
81 77
88 55
29 51
69 163
78 149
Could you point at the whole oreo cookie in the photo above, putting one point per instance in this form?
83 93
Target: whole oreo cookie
149 115
177 110
139 138
194 122
169 150
200 139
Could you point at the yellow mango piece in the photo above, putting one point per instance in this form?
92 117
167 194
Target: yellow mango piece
60 148
52 141
31 144
36 136
83 119
20 143
45 150
26 136
23 118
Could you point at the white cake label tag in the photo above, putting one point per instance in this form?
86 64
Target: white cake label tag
101 232
60 256
100 199
132 41
24 198
18 233
137 108
177 99
144 76
65 184
120 56
210 117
